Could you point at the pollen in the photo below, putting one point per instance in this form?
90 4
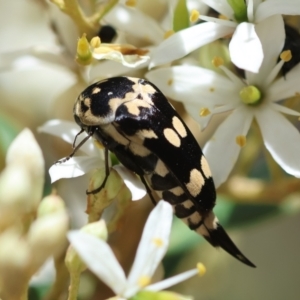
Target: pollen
250 95
204 111
95 42
158 242
217 61
170 81
201 269
286 55
144 281
194 16
222 17
241 140
98 144
168 33
130 3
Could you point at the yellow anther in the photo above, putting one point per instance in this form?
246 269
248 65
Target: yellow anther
217 61
168 33
98 145
194 16
204 111
95 42
286 55
241 140
157 242
201 269
144 281
130 3
170 81
222 17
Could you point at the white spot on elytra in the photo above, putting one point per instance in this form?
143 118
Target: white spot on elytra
196 182
172 137
205 167
179 127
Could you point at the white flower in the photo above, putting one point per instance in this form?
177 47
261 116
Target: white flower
93 158
101 260
245 46
204 93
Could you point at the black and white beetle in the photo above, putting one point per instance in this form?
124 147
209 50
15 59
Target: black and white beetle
134 120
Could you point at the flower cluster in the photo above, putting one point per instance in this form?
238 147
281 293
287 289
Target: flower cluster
234 65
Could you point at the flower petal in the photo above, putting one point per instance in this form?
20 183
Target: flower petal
99 258
130 61
74 167
135 186
164 284
285 87
192 84
281 138
222 151
272 42
187 40
135 23
276 7
152 247
245 48
68 131
29 27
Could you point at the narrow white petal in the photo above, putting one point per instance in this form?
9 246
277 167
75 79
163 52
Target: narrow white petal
74 167
272 42
164 284
220 6
67 131
284 109
130 61
285 87
99 258
134 22
187 40
152 247
276 7
219 21
192 84
133 183
222 151
245 48
281 138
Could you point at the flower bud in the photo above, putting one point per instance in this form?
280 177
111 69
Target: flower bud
49 205
47 237
72 260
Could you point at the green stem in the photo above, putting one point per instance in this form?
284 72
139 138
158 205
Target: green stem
74 286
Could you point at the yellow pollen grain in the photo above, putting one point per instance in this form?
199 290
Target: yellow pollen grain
130 3
194 16
217 61
201 269
170 81
168 33
286 55
222 17
204 111
98 144
95 42
241 140
157 242
211 89
144 281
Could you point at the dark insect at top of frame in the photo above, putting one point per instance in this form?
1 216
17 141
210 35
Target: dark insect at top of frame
133 119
